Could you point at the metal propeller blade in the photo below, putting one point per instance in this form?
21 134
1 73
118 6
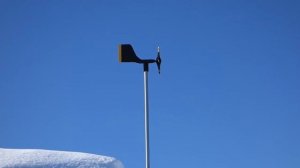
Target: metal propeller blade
158 60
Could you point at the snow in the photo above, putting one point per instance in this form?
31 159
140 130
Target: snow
38 158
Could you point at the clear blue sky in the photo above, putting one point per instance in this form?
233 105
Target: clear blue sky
228 95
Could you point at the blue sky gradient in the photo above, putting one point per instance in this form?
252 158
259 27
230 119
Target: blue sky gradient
228 94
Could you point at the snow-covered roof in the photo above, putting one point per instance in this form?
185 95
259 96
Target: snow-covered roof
29 158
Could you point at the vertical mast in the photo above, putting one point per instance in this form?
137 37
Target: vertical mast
147 142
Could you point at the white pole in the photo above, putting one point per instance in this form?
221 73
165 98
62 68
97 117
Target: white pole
146 119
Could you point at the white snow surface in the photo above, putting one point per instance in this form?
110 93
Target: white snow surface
38 158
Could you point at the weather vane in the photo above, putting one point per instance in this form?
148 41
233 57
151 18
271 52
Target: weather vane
127 54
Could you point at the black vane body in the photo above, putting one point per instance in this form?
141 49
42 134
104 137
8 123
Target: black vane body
127 54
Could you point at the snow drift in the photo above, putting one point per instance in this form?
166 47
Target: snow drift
35 158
